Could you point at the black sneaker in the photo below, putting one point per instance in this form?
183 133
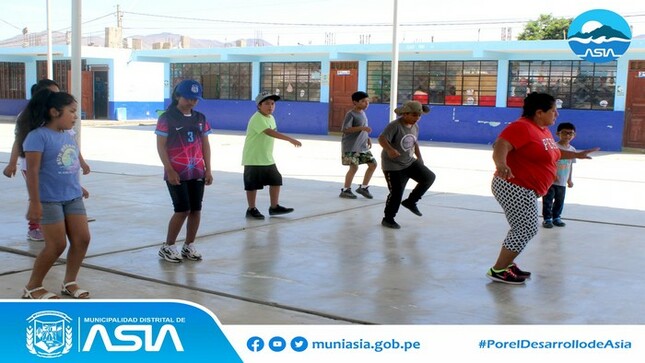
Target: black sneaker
279 210
254 213
364 192
518 272
412 207
558 223
390 223
547 224
507 277
347 194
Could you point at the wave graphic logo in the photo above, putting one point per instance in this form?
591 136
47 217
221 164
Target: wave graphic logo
599 36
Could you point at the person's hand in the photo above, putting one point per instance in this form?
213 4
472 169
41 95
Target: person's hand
35 212
504 172
173 177
570 184
10 170
208 177
86 194
367 129
393 153
369 143
295 143
420 159
85 167
584 154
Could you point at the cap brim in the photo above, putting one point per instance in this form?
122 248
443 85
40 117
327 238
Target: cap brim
270 97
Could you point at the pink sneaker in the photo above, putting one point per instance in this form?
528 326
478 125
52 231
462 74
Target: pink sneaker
35 235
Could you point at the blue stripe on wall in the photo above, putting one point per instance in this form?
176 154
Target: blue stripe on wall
482 125
12 107
134 110
291 117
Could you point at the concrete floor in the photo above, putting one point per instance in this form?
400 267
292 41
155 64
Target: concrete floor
331 262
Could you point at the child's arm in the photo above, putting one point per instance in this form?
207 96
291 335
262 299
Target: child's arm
206 151
12 167
84 165
281 136
173 176
417 152
35 211
570 181
355 129
385 144
86 194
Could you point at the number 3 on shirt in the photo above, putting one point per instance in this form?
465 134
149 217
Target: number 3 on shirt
191 136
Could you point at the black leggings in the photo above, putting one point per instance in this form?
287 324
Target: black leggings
397 180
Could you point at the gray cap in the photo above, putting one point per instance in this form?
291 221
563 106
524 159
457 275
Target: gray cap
266 95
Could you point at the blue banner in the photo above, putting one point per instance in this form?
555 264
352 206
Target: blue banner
107 330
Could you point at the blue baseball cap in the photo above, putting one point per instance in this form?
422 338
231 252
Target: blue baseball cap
189 89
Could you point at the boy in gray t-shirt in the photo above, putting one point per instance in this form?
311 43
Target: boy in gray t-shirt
400 146
356 146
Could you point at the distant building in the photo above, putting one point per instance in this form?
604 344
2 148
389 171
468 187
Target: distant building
473 88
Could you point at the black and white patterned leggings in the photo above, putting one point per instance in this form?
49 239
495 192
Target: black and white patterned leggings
521 210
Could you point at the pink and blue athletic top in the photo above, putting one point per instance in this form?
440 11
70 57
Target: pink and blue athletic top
184 141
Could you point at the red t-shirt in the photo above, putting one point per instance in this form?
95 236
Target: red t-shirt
534 156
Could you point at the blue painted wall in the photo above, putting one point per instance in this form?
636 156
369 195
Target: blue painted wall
12 107
135 110
482 125
291 117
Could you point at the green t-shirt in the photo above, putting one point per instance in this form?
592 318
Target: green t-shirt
258 146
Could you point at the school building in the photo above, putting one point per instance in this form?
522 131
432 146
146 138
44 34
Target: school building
473 88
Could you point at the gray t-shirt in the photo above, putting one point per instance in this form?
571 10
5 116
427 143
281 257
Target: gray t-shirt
356 141
403 139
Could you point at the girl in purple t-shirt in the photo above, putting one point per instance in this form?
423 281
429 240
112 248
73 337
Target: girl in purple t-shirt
55 193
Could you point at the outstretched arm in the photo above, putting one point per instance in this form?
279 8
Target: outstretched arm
281 136
584 154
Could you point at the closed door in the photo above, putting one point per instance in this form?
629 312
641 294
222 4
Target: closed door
87 93
635 106
343 81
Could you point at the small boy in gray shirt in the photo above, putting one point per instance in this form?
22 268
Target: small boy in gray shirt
356 145
400 146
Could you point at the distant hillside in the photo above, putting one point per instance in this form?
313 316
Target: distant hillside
59 38
604 31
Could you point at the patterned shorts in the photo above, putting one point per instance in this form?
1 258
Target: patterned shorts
521 210
355 158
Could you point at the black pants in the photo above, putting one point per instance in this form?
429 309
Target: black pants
396 181
553 202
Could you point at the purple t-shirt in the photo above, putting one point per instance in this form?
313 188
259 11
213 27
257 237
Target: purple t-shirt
59 165
184 142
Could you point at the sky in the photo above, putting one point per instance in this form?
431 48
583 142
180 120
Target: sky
292 22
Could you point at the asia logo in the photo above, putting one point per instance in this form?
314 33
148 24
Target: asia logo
599 36
49 334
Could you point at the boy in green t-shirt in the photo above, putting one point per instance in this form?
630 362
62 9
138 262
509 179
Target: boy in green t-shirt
257 157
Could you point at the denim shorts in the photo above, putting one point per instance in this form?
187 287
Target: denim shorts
54 212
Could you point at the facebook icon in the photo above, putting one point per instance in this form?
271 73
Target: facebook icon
255 344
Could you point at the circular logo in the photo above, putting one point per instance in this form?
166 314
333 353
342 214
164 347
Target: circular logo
255 344
599 36
299 344
277 344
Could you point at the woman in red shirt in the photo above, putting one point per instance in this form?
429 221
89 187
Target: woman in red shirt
525 156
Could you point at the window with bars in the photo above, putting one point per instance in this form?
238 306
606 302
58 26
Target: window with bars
574 84
61 71
293 81
12 80
221 81
436 82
